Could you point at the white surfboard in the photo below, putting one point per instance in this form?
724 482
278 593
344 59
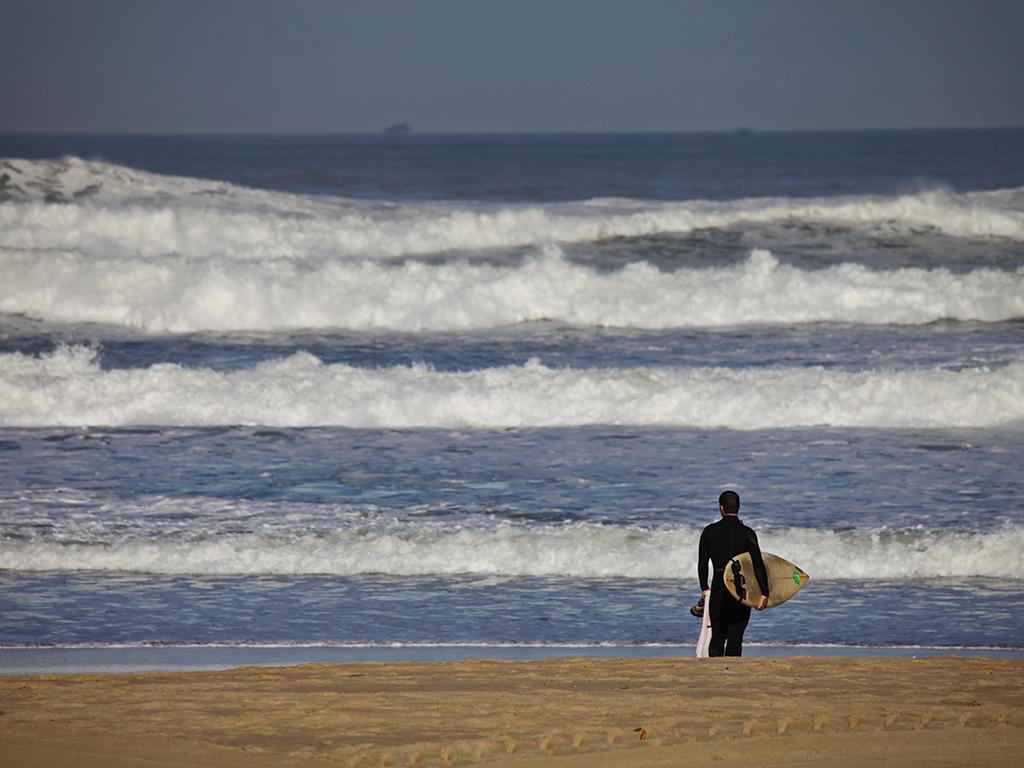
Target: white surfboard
704 641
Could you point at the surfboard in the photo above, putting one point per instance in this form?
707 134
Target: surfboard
704 640
784 579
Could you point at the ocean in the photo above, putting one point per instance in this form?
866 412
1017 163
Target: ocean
403 396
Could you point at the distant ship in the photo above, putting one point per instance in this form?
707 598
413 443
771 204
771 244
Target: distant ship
398 129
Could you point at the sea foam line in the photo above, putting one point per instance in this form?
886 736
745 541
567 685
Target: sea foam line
68 387
114 212
569 550
299 645
179 294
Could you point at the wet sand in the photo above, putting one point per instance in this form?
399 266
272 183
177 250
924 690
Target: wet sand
646 712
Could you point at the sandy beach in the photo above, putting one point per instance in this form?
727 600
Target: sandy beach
570 712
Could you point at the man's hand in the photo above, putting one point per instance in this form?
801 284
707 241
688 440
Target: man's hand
762 603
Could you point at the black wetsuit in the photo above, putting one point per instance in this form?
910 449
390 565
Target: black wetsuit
720 542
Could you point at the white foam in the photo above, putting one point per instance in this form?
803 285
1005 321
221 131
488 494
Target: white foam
153 214
179 294
169 254
68 387
576 550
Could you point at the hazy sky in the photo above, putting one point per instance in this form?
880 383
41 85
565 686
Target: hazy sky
508 65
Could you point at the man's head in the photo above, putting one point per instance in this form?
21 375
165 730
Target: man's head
729 503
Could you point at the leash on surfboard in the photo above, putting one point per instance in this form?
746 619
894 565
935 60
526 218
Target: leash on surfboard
738 580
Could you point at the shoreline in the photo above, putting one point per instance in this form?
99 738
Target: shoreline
827 712
144 658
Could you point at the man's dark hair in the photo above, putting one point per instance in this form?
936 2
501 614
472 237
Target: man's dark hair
729 501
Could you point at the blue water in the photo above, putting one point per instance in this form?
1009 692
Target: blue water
719 166
408 467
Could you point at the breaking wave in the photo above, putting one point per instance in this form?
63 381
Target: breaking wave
179 294
112 208
573 550
68 387
170 254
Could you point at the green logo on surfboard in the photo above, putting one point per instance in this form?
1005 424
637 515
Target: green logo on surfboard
796 576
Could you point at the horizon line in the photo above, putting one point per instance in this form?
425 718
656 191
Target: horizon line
740 130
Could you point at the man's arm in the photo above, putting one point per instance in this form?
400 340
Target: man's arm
759 570
703 555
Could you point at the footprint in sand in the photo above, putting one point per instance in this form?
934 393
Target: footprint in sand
963 720
782 725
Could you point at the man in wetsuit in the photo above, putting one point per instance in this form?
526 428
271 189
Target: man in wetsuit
720 542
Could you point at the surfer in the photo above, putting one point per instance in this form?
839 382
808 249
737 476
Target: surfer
720 542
